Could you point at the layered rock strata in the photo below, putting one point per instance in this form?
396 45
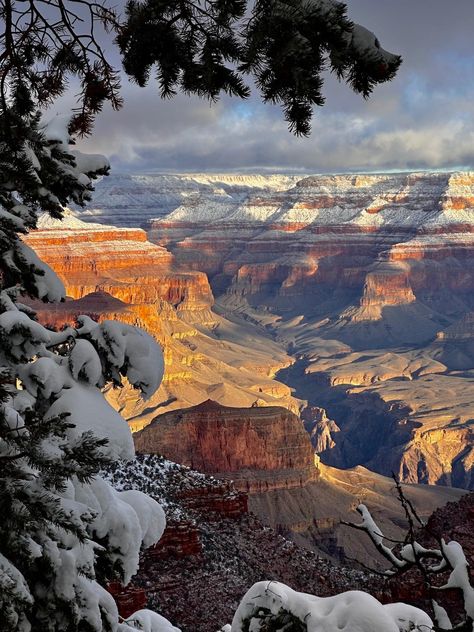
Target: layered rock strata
267 453
366 279
115 273
258 448
132 200
119 261
328 230
360 276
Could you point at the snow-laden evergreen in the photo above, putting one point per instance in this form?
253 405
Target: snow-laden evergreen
65 531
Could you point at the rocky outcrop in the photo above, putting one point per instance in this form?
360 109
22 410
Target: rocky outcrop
180 539
258 448
219 502
197 589
321 429
129 599
362 278
267 453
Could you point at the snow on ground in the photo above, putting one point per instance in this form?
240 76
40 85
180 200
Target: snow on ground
159 478
401 199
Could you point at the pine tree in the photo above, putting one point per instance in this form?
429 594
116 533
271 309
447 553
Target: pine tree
208 47
63 528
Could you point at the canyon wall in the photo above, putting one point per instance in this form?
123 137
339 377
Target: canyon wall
118 261
369 282
258 448
365 280
115 273
373 242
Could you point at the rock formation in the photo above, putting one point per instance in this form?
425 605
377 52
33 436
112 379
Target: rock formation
119 261
209 558
366 280
115 273
258 448
129 599
381 237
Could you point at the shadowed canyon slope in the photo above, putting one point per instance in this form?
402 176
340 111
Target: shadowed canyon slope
367 280
267 453
116 273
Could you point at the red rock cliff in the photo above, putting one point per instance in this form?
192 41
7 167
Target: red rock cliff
259 448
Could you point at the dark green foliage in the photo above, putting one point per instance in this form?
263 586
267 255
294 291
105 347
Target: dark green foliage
206 47
44 43
192 45
30 504
283 621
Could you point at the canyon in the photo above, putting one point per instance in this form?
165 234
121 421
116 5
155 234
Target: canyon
212 551
347 293
213 548
368 281
116 273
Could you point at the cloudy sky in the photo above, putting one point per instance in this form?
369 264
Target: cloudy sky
423 119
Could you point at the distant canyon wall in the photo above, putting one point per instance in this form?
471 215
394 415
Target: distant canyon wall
381 241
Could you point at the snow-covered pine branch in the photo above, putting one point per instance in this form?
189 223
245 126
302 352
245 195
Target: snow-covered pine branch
430 562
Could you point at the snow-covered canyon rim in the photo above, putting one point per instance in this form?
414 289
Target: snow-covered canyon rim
425 201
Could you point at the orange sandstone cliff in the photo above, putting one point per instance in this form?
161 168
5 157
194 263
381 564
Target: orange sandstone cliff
115 273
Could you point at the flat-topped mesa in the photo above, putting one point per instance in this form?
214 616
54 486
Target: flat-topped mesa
260 449
120 261
386 284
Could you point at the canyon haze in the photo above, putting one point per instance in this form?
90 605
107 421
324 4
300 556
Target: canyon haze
348 298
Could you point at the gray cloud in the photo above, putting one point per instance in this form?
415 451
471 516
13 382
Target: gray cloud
424 118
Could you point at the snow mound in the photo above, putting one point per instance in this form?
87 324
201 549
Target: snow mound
352 611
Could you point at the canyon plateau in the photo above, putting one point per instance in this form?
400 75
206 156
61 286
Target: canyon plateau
350 294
